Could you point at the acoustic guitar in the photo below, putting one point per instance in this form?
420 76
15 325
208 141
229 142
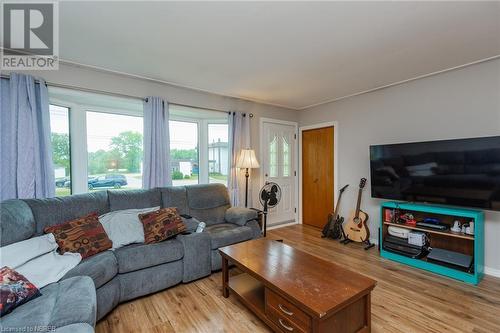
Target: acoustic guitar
356 228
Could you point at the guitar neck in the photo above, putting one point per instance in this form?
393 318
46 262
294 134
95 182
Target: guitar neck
336 213
358 205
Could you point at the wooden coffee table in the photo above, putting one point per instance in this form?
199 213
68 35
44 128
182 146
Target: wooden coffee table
293 291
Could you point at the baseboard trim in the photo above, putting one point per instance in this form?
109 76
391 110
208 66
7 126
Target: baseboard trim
492 271
286 224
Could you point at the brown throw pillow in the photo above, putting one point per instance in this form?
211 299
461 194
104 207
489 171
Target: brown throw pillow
84 235
161 224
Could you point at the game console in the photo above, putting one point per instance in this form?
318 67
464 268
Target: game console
398 232
417 238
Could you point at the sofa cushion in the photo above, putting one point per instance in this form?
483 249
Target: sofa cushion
101 268
84 235
58 210
208 202
134 257
64 303
130 199
227 233
18 222
174 196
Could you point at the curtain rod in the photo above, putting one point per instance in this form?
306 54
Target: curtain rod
95 91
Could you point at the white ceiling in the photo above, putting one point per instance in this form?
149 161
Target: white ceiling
293 54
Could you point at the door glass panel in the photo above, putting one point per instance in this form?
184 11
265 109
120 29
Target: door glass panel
286 158
184 152
114 144
218 150
273 157
59 126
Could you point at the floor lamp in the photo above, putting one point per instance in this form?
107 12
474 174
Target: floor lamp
247 160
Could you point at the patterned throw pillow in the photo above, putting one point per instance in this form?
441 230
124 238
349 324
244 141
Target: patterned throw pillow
15 290
161 224
84 235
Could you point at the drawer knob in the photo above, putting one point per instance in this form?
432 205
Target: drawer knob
285 310
288 328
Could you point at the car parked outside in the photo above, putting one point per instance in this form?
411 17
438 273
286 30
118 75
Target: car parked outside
110 180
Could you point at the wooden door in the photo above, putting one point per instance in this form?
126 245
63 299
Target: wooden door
278 164
317 176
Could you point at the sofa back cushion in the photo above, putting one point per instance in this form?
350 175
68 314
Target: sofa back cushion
174 196
52 211
208 202
133 199
17 222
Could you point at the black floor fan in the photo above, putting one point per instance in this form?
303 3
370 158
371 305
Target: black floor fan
270 196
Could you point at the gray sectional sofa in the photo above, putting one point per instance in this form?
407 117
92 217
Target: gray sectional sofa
99 283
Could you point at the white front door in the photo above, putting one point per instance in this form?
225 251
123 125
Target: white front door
279 166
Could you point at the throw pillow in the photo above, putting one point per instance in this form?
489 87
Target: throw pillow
15 290
124 227
84 235
161 224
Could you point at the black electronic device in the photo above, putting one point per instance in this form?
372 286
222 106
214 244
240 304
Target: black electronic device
451 259
401 246
461 172
269 196
434 226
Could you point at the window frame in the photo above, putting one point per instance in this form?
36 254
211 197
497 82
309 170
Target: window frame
78 139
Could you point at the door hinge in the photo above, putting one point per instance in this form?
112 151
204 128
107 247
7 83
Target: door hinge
295 173
295 210
295 136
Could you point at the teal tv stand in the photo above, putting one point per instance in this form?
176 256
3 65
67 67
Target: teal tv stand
468 244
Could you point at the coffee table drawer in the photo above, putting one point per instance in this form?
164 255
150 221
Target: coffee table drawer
285 324
277 307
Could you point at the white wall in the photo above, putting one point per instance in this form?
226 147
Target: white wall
458 104
88 78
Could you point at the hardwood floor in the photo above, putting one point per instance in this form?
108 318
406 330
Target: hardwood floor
404 300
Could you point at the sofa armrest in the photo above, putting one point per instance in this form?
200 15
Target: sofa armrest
240 215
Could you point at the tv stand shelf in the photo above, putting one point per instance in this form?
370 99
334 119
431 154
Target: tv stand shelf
472 245
439 232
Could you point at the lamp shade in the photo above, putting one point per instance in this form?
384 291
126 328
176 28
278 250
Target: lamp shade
247 159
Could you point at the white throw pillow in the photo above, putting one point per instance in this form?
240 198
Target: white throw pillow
124 227
17 254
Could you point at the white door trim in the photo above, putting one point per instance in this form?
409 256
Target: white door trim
335 125
296 156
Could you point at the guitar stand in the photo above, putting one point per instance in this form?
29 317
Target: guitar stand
368 244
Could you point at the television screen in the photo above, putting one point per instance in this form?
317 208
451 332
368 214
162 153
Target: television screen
462 172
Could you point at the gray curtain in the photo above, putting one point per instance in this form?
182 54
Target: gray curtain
239 138
156 165
26 167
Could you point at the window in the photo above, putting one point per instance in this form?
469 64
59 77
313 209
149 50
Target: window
218 153
114 145
106 148
198 145
184 159
59 125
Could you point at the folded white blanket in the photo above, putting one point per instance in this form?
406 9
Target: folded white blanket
49 267
14 255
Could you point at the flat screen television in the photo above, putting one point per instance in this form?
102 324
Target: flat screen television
461 172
